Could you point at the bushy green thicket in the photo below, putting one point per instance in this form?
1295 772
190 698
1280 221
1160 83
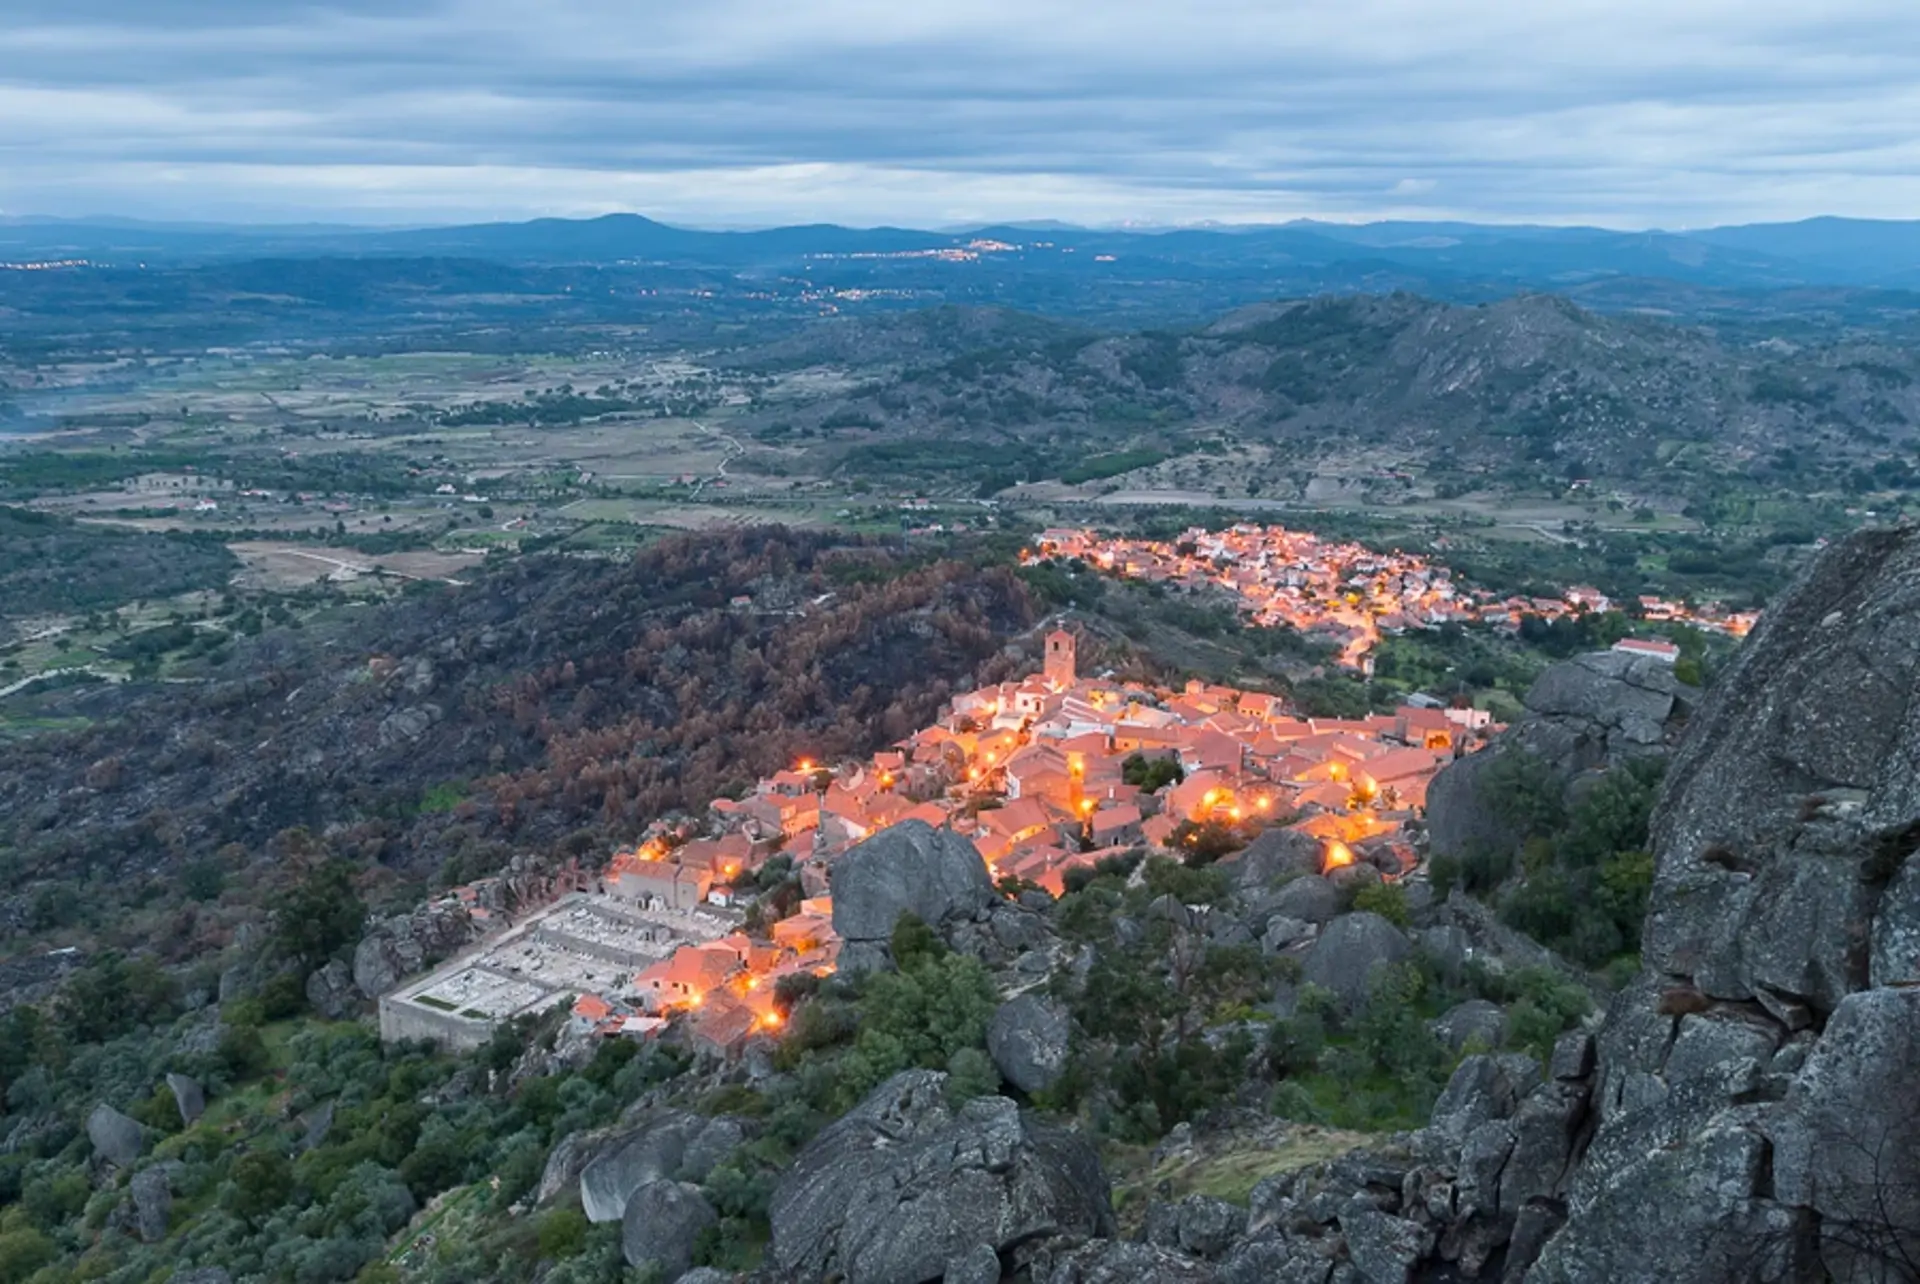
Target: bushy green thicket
258 1187
855 1032
1383 1067
1583 871
1167 1012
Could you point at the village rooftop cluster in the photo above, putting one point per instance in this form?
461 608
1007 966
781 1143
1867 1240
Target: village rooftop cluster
1343 594
1041 776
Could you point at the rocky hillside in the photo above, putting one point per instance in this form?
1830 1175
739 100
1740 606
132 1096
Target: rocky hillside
1751 1086
1532 379
1740 1115
442 733
1237 1072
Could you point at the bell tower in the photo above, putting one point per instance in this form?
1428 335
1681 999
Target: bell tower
1060 660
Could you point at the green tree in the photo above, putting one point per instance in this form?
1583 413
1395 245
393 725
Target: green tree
913 943
1524 792
55 1198
1151 774
923 1016
262 1182
1612 816
22 1252
203 880
114 994
322 914
1205 842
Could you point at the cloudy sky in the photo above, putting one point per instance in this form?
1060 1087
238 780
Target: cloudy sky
1626 113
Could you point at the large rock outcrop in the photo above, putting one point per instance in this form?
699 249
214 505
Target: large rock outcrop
400 946
1029 1039
1350 955
115 1137
188 1096
1278 853
1470 1197
934 874
662 1224
664 1145
1583 716
151 1196
1743 1115
1754 1086
330 991
903 1186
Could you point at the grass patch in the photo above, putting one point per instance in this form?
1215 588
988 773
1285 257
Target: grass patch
610 536
464 541
443 798
1229 1174
1101 467
15 729
1370 1102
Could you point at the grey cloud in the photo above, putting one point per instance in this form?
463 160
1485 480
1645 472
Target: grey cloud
1633 111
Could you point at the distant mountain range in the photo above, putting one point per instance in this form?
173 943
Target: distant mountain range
1816 252
123 283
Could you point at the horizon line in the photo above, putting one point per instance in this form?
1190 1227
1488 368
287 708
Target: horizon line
319 226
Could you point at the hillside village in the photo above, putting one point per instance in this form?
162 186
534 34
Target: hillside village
1042 776
1342 593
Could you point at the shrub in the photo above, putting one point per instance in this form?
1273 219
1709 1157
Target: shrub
914 943
1388 900
261 1182
1395 1037
1291 1100
563 1234
1188 885
1294 1046
1205 843
1151 774
1543 907
971 1073
928 1013
1548 1004
22 1252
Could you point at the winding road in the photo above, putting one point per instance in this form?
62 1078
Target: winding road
733 448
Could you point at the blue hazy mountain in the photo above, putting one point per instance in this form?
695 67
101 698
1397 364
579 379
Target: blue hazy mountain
1821 251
